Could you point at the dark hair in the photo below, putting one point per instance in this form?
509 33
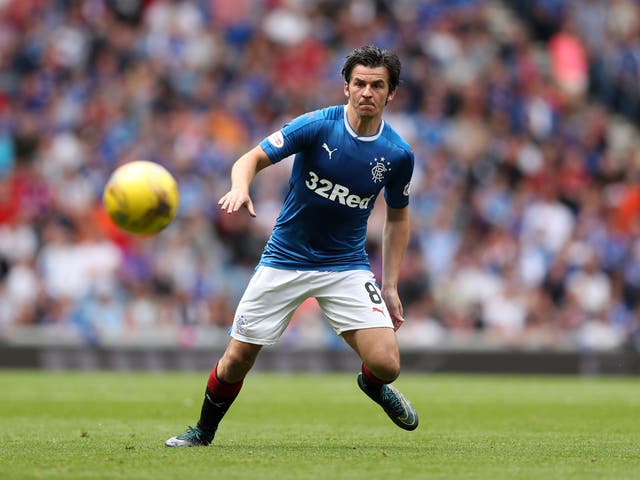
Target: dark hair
372 57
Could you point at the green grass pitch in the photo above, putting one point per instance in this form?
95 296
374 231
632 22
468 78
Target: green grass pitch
103 425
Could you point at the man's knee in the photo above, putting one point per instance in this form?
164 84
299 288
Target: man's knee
378 349
386 368
237 360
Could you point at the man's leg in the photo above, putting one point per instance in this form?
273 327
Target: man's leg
378 349
223 386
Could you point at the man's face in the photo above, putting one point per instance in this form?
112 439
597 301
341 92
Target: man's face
368 90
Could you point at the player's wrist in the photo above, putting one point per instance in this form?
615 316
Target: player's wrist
389 288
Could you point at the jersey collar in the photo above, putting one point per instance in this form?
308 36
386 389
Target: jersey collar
354 134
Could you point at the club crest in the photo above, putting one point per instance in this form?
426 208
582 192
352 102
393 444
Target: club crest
379 169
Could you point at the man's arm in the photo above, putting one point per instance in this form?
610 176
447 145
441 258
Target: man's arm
243 172
395 237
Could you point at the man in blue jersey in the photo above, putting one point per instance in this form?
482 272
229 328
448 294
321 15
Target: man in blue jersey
344 156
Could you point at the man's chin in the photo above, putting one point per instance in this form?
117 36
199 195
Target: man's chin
367 111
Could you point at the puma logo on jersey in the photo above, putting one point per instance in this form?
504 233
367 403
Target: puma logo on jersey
376 309
336 192
329 151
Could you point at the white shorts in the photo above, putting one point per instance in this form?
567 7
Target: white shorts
350 300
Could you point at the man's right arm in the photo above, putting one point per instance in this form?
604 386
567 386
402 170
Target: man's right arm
243 172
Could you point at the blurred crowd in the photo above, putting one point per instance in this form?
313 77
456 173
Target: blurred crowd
525 198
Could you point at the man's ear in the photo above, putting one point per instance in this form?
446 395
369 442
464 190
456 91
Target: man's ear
391 95
346 89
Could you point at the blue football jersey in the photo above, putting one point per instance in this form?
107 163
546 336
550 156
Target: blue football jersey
335 179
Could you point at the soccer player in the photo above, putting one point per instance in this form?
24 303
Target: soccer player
344 156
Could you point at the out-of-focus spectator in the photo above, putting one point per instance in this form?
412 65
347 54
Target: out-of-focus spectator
589 286
569 63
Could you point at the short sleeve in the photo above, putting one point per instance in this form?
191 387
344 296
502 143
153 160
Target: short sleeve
396 192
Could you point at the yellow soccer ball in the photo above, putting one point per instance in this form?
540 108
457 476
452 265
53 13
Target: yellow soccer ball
141 197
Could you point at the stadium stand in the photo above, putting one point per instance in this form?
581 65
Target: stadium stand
525 199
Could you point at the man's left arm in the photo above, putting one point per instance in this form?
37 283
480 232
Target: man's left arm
395 237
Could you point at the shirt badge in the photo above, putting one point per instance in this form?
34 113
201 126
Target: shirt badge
379 169
276 139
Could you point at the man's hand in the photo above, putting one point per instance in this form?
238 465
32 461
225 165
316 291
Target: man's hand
392 301
235 199
242 173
